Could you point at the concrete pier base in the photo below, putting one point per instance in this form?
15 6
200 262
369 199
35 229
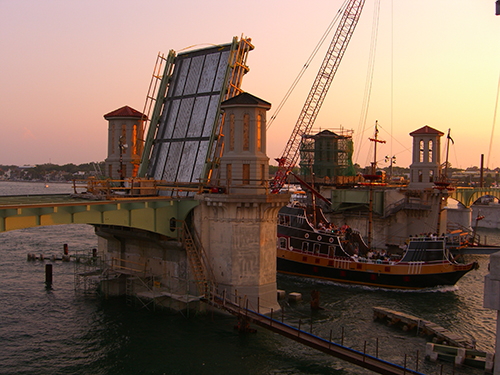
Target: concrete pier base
239 237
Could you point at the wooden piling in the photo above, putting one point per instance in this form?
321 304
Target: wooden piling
48 274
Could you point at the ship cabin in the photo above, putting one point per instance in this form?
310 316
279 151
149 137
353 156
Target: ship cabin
427 250
296 232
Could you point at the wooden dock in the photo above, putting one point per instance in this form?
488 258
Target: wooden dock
422 326
350 355
461 356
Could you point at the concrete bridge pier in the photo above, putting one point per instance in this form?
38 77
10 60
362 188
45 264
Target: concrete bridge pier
238 229
239 236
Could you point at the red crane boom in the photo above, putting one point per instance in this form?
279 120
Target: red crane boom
318 91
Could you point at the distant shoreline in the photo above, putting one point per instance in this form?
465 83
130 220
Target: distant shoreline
41 182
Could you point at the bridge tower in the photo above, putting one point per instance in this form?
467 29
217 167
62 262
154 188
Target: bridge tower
238 229
124 145
426 162
425 172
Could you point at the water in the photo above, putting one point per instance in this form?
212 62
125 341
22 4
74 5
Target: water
58 331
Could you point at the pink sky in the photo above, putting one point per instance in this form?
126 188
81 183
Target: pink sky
67 63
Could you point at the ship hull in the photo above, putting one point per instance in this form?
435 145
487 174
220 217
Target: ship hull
411 276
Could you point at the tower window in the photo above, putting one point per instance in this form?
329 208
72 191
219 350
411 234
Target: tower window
231 132
229 173
246 174
259 132
112 138
246 132
134 140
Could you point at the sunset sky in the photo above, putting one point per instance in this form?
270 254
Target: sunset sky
64 64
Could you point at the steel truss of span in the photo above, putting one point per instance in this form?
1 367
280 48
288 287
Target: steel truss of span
184 140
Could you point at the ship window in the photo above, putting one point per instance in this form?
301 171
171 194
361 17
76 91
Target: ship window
324 250
331 251
305 247
317 247
283 243
284 220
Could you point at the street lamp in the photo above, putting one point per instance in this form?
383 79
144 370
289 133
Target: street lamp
392 160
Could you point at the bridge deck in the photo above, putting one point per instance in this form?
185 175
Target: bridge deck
150 213
51 200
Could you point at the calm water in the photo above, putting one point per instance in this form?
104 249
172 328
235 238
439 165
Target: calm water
58 331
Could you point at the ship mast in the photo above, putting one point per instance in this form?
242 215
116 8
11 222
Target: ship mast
448 138
376 140
371 177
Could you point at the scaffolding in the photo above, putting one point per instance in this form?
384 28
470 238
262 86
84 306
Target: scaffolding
144 288
327 154
88 271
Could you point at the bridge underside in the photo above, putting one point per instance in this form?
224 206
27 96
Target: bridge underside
157 215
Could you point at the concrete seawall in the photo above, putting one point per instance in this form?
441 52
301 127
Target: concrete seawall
491 214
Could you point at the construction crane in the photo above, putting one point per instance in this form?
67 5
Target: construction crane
319 89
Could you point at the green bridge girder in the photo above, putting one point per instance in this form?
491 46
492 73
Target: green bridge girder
467 196
152 214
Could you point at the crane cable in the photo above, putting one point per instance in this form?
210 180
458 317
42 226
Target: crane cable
494 121
369 77
307 63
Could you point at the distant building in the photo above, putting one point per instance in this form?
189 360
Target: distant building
125 135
